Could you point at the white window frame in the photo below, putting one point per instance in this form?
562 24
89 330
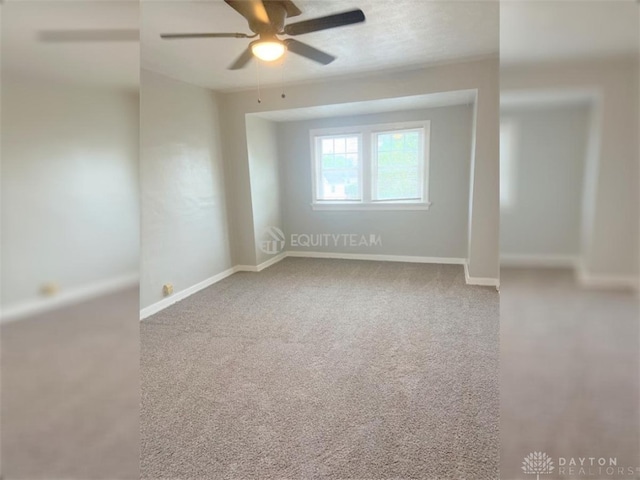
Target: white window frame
367 161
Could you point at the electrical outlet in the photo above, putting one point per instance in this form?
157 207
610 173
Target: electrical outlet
167 289
49 289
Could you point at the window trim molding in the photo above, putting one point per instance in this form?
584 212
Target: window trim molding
367 158
361 206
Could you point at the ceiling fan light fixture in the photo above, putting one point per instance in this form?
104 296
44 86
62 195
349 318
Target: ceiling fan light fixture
266 20
268 50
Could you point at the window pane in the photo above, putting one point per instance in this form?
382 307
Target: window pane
347 160
399 165
410 158
384 142
340 145
385 159
352 145
412 141
340 184
398 183
352 160
507 164
327 145
328 161
397 141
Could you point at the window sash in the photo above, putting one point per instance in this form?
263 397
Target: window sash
319 195
421 161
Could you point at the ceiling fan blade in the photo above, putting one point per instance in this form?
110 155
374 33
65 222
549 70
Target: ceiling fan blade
252 10
242 60
323 23
104 35
308 51
170 36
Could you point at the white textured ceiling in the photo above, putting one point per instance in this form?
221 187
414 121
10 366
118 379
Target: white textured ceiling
396 34
112 64
534 31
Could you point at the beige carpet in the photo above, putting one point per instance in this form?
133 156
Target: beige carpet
569 374
70 392
324 369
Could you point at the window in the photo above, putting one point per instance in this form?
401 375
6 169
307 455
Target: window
372 167
398 171
339 169
508 174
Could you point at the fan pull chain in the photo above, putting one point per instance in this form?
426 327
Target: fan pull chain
258 77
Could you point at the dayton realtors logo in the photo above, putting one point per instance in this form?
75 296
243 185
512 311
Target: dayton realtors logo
537 463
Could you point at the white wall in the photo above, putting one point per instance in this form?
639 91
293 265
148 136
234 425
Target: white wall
550 146
610 206
481 75
70 207
264 168
440 231
184 228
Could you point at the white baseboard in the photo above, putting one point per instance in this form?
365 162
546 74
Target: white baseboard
161 305
181 295
245 268
491 282
379 258
584 278
68 297
271 261
482 281
262 266
176 297
607 282
538 261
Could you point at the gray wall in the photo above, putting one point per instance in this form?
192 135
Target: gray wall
481 75
610 207
264 167
550 151
184 220
70 207
440 231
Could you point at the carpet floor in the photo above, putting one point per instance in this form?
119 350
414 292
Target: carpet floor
570 375
321 368
70 401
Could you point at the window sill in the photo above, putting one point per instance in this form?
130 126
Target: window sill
328 206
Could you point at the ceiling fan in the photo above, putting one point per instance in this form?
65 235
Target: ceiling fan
267 21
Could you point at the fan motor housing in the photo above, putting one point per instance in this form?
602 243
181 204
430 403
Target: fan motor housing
277 12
